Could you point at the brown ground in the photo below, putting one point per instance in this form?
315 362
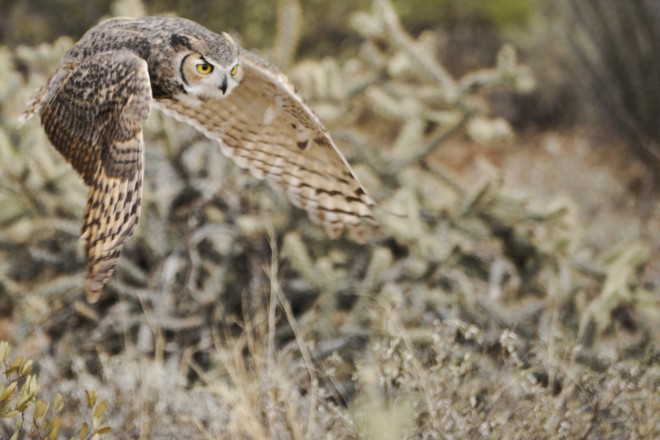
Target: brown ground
611 189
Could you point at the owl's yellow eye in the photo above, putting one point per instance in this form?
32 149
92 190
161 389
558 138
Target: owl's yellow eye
204 68
234 70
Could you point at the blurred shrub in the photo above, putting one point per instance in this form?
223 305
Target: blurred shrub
616 48
33 21
506 13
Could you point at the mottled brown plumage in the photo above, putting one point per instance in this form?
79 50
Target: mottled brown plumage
94 106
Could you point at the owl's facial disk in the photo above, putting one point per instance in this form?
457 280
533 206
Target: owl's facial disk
206 78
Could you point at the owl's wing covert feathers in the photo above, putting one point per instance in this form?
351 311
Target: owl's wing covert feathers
93 114
266 128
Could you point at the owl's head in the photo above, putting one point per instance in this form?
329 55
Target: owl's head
209 68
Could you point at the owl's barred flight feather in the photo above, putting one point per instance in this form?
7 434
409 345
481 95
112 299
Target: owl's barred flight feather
266 128
93 113
93 109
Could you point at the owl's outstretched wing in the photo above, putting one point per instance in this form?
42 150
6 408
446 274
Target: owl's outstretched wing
265 126
93 114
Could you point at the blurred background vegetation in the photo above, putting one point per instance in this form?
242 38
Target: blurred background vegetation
514 293
599 60
35 21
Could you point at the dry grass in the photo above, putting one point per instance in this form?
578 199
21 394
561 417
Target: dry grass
473 312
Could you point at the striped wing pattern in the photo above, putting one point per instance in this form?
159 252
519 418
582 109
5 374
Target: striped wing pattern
93 114
265 127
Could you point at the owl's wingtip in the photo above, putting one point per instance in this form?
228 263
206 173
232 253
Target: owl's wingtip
93 290
33 106
23 117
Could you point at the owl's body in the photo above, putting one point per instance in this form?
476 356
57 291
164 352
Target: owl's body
93 109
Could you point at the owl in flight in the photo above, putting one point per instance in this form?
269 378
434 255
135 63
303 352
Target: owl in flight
93 109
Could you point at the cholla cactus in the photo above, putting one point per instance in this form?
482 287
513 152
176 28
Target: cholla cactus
465 296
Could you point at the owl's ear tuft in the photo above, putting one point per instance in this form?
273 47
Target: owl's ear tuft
229 38
178 40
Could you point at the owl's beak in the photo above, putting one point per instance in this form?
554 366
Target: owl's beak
223 86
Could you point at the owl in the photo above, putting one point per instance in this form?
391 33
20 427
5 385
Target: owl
94 107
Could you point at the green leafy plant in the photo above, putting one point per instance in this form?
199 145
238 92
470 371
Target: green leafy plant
32 416
20 403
